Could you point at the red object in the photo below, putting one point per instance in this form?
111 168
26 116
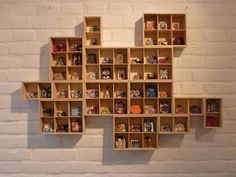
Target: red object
211 121
135 109
59 48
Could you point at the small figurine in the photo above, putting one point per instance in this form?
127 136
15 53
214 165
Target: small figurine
136 60
120 94
135 109
163 42
47 112
106 60
212 106
120 108
76 125
151 59
46 92
120 58
76 47
163 94
175 25
105 110
92 75
194 109
163 60
106 73
179 109
76 60
163 25
62 94
76 111
120 142
151 91
135 143
60 61
179 127
164 74
32 94
178 41
151 76
59 76
150 25
76 93
136 76
165 106
92 93
135 128
134 93
93 28
150 41
47 127
148 126
93 109
121 73
147 142
75 76
62 127
61 113
93 41
107 93
149 109
120 127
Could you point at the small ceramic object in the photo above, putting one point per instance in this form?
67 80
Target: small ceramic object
195 109
120 108
59 76
76 60
179 127
76 111
148 126
135 128
164 74
92 76
105 110
163 25
47 127
120 58
61 113
135 109
47 112
164 106
107 93
120 127
106 73
75 76
149 109
179 109
62 94
32 94
76 93
46 92
120 142
147 142
76 125
150 25
60 61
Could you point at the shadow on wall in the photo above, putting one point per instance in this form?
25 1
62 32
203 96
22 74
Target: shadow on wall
138 33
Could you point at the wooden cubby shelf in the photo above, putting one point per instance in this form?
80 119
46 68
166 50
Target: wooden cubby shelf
131 85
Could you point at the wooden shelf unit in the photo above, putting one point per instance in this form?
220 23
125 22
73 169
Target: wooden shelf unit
137 133
93 31
164 29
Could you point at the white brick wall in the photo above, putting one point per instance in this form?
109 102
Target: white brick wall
206 67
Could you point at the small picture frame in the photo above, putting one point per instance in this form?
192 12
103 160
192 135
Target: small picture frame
150 25
135 143
121 73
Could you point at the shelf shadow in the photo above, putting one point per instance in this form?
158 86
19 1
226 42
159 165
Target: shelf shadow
138 34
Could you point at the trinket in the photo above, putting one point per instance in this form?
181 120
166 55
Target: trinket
135 143
120 58
195 109
120 108
32 94
165 106
106 73
148 126
147 142
46 92
120 127
179 127
120 142
163 74
76 125
60 61
59 76
76 111
76 93
135 128
135 109
48 127
179 109
92 76
93 109
75 76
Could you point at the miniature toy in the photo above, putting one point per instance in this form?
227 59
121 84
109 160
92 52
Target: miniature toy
148 126
195 109
135 143
61 113
60 61
105 110
93 109
76 93
47 127
76 111
120 58
150 25
178 41
179 127
32 94
212 106
107 60
163 25
151 59
47 112
120 94
179 109
77 60
59 76
92 76
46 92
75 76
62 94
92 93
120 127
135 109
120 142
107 93
166 128
164 106
106 73
149 109
76 125
147 142
120 108
164 74
135 128
163 60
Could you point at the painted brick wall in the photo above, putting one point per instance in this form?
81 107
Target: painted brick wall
207 67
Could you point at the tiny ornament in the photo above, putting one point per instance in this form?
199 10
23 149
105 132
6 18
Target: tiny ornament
75 76
106 73
148 126
62 94
107 93
163 25
179 127
120 142
76 125
48 127
179 109
32 94
164 74
120 127
60 61
77 60
147 142
92 76
120 58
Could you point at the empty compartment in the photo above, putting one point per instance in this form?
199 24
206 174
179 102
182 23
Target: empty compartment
164 38
149 140
150 56
76 125
178 22
106 106
135 124
120 90
58 73
136 106
75 44
76 108
61 109
75 90
179 38
47 125
30 90
181 105
150 72
120 72
45 90
106 90
92 56
106 56
166 124
136 90
150 106
150 124
92 106
92 72
120 106
121 124
106 72
165 56
181 124
150 21
58 59
60 90
135 140
136 72
196 106
121 141
165 72
62 125
164 22
120 56
165 106
165 90
46 108
58 44
93 39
